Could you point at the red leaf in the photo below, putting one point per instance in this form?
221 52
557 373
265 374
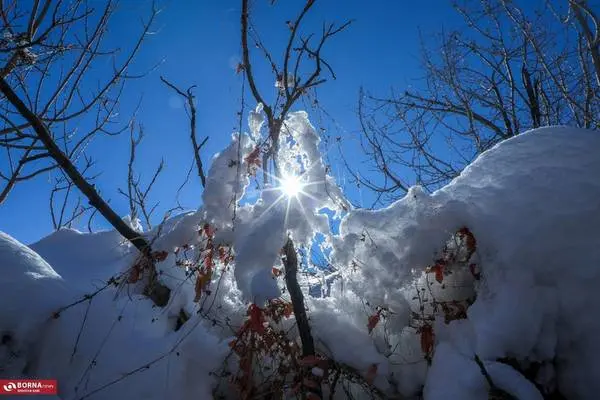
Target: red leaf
438 270
371 374
427 339
310 383
256 319
208 259
309 361
135 273
373 320
160 255
208 231
439 274
288 310
276 271
475 271
470 241
253 160
223 256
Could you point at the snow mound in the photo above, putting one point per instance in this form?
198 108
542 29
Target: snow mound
30 291
533 204
84 257
90 336
29 286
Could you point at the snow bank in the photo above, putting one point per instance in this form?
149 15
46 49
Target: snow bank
29 288
531 202
90 347
82 258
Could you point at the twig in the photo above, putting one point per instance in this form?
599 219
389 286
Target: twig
188 95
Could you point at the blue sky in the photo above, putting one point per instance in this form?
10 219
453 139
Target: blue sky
198 43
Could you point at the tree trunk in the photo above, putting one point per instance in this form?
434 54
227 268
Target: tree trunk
86 188
291 280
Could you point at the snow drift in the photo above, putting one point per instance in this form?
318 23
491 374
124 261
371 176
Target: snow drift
533 203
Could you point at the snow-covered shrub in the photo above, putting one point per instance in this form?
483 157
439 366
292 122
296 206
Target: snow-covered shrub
489 281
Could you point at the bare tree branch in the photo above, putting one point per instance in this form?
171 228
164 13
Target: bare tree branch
77 179
509 70
292 87
188 95
290 261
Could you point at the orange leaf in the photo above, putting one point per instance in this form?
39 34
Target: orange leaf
276 271
201 282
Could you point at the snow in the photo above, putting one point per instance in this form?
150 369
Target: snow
255 121
90 346
531 202
26 280
88 257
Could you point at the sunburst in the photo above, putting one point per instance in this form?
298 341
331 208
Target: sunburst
291 185
292 188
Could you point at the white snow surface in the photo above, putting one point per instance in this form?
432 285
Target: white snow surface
532 203
26 278
89 347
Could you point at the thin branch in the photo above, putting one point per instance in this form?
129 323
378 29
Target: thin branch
188 95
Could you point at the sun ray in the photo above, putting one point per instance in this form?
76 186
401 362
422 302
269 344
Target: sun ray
287 213
277 200
309 195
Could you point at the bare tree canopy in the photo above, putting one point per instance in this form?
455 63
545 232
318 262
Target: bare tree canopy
509 70
299 69
49 50
49 55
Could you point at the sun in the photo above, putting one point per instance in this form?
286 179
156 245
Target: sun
291 186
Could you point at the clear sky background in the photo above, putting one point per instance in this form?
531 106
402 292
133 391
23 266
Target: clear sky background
198 42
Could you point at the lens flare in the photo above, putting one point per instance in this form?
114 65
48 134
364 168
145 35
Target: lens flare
291 186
